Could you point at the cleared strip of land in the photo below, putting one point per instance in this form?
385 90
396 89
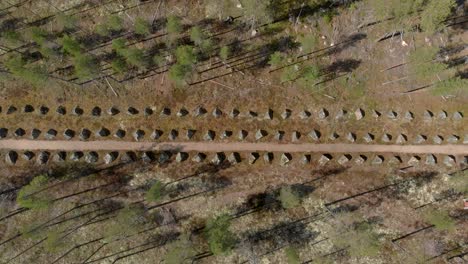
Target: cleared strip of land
24 144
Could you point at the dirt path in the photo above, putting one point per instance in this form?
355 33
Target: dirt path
24 144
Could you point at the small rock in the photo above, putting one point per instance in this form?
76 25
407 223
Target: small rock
190 133
234 158
226 134
85 134
35 133
148 156
110 157
279 135
128 156
68 134
19 132
431 159
182 112
252 114
50 134
77 111
209 136
392 114
359 114
420 139
91 157
296 135
138 134
315 135
28 155
323 113
132 111
457 116
351 137
59 156
42 157
401 138
96 111
437 139
28 109
324 159
378 160
341 114
409 115
344 159
268 157
113 111
286 114
269 114
449 161
120 133
234 113
103 132
166 111
376 114
76 156
442 115
304 114
360 159
305 159
386 137
148 111
427 115
368 137
253 157
11 109
453 139
156 134
199 111
218 158
243 134
43 110
181 156
334 136
173 134
260 134
164 157
217 113
61 110
414 160
11 157
285 159
3 132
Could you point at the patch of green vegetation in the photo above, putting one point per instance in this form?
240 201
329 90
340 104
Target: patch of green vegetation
34 74
156 192
181 251
289 198
308 42
128 220
310 76
70 45
12 37
224 53
38 35
119 65
85 66
449 86
178 73
220 239
361 241
459 182
290 73
174 25
292 255
440 219
276 59
142 27
66 22
113 24
435 13
54 241
31 197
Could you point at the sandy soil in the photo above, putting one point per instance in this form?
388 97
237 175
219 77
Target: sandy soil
220 147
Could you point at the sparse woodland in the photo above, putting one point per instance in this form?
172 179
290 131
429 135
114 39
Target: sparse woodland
161 212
